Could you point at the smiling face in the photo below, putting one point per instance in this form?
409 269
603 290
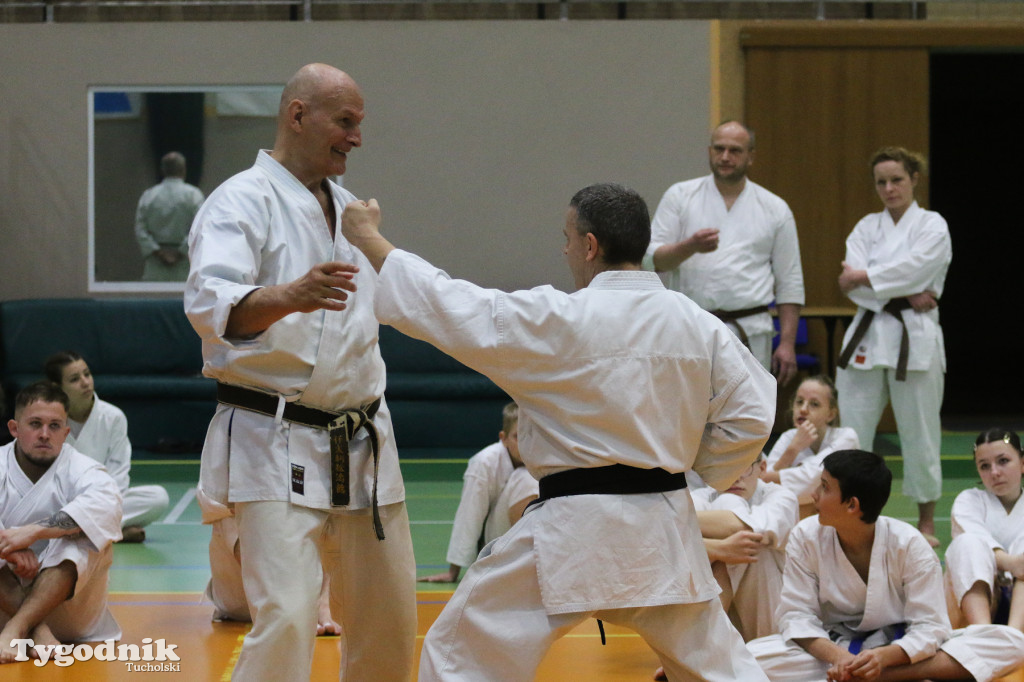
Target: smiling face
40 429
1000 468
895 187
814 402
332 128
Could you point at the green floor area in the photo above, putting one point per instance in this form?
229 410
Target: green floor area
174 556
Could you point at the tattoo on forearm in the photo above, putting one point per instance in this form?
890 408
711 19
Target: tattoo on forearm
63 521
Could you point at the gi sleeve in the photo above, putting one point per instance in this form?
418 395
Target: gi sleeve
95 506
740 415
225 246
785 261
799 613
925 611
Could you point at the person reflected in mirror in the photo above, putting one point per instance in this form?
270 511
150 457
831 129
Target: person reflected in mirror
162 221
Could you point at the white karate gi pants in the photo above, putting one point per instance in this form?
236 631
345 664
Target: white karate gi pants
986 651
85 616
495 627
760 345
756 589
863 395
970 559
143 504
373 590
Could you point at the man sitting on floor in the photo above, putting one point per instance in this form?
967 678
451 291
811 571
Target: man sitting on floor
59 513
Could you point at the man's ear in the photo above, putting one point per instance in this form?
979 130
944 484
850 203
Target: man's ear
593 248
12 426
296 110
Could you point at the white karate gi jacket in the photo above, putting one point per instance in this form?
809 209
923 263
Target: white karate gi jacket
259 228
901 260
622 371
79 486
758 255
487 472
104 437
164 215
979 512
803 476
824 595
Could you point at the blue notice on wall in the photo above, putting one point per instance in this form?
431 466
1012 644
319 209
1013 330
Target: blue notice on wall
111 103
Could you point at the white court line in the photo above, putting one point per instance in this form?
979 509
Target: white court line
180 507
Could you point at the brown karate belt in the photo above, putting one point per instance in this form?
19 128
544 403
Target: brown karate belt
341 427
735 315
894 307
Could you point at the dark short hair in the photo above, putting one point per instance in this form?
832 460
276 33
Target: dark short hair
998 434
618 218
40 392
863 475
54 366
172 165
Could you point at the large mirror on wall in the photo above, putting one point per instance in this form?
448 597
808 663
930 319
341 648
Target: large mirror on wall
154 152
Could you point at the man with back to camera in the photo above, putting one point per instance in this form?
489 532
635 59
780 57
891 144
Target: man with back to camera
622 387
731 246
60 512
301 447
162 220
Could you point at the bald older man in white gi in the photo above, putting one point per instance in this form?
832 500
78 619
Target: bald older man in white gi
622 387
731 245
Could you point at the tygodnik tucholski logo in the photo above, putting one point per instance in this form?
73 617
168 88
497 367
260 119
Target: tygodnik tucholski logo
151 656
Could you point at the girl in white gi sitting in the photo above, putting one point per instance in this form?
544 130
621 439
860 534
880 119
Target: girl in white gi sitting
795 460
985 560
100 430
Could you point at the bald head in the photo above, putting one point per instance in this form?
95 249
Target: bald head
312 83
318 123
731 153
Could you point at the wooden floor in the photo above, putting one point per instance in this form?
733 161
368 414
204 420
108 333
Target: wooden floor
208 650
156 586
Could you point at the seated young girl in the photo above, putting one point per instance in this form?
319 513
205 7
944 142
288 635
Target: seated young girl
795 460
985 560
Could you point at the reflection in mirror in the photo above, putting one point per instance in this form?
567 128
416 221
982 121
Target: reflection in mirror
217 131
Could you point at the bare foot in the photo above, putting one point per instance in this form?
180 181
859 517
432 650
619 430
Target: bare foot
8 653
659 674
133 534
326 626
